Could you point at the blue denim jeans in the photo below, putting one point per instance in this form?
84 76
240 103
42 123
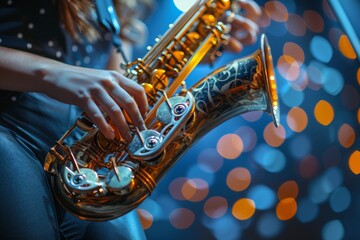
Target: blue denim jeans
30 123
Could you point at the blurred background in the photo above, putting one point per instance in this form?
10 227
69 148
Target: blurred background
247 179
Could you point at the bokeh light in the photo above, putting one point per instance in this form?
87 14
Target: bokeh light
333 81
195 189
286 209
248 136
346 135
295 51
230 146
215 207
274 136
277 11
297 119
175 188
321 49
346 47
288 189
340 199
243 208
307 210
273 161
182 218
263 196
269 225
333 230
288 67
324 112
296 25
354 162
183 5
238 179
314 21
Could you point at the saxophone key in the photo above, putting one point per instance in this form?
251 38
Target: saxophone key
120 180
83 181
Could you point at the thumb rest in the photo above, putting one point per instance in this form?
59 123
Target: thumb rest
100 179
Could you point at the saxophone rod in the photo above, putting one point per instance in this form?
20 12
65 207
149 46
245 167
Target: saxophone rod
205 47
185 20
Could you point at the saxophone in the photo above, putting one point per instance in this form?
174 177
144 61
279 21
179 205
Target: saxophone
99 179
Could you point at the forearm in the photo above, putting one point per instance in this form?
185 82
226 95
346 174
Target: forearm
25 72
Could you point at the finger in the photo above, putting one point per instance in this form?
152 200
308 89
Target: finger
243 23
234 45
125 101
244 30
113 110
250 9
137 92
93 112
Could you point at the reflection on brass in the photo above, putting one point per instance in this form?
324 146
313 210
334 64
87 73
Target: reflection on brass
100 179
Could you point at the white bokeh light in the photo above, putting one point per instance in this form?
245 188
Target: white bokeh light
184 5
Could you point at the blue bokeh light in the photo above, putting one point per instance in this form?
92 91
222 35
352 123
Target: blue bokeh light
307 210
321 49
273 161
263 196
333 230
340 199
269 225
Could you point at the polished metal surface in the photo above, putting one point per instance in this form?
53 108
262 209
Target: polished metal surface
99 179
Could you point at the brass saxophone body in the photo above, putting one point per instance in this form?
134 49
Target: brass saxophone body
100 179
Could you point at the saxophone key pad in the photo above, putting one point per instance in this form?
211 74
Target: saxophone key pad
121 181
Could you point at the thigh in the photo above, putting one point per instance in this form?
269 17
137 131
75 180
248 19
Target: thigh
27 208
127 227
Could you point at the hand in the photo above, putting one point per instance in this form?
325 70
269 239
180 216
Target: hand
243 28
98 91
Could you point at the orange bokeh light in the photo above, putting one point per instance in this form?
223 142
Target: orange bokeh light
238 179
175 188
145 217
277 11
195 189
215 207
297 119
346 48
288 67
346 135
324 112
230 146
294 50
181 218
286 209
296 25
358 76
243 209
288 189
354 162
274 136
314 21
